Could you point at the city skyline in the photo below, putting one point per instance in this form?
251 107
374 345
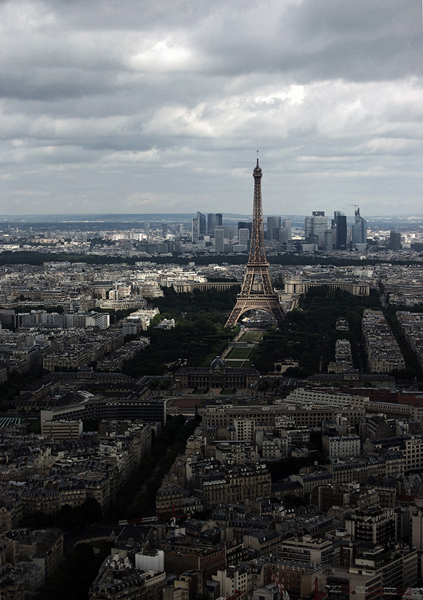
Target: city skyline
132 109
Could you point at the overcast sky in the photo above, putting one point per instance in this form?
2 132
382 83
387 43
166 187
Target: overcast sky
137 106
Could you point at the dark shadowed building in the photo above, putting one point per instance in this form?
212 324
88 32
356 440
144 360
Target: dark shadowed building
218 375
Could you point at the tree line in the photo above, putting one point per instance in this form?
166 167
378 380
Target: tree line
199 334
308 334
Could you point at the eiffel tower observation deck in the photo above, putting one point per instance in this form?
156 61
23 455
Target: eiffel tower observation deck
257 292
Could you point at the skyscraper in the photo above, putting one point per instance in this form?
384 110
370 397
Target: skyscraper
273 226
213 221
194 231
358 229
245 225
286 233
201 224
308 228
328 240
339 225
320 225
315 227
395 240
219 239
243 237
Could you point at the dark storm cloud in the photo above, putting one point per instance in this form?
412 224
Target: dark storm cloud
165 103
357 41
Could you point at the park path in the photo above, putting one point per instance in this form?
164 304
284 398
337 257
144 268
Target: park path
231 344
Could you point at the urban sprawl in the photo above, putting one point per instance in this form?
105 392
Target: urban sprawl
290 484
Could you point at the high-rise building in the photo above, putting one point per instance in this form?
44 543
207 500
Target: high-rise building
320 225
395 240
286 231
211 223
358 229
273 226
195 231
315 227
202 230
308 228
243 237
230 232
328 240
213 220
219 239
339 226
245 225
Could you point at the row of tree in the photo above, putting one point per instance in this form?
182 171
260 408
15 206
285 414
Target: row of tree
308 334
137 497
198 337
281 258
68 517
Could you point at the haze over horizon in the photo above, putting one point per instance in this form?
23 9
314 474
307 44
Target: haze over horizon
133 108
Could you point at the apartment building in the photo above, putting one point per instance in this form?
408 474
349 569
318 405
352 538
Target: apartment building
233 484
303 415
308 550
382 350
372 524
410 446
61 430
347 445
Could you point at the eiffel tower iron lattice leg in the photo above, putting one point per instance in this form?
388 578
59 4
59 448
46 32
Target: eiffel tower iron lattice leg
257 291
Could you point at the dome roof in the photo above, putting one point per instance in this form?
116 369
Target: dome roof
217 363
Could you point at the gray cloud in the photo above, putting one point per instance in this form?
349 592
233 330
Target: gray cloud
115 107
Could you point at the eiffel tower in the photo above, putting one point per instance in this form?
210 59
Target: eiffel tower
257 291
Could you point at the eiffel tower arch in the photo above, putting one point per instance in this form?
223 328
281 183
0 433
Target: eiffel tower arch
257 292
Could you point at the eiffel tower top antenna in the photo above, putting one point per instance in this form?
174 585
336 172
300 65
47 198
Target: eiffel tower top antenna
257 250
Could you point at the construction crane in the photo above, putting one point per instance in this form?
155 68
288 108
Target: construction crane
318 595
281 588
235 595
